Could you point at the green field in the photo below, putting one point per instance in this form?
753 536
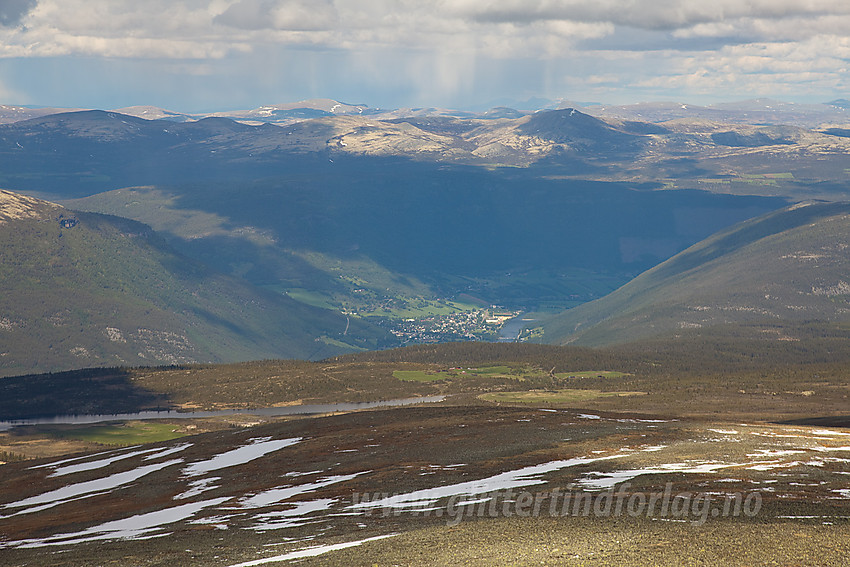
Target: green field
490 370
115 433
415 308
766 179
367 303
591 374
312 298
513 373
418 376
342 344
457 372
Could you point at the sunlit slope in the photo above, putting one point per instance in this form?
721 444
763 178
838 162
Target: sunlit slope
789 266
83 289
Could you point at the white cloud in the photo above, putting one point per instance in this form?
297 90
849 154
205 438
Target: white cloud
281 15
817 65
506 28
573 48
757 30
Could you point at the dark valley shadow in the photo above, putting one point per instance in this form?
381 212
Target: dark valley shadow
76 392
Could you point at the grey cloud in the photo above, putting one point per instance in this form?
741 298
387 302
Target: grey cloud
644 14
247 14
295 15
634 40
13 11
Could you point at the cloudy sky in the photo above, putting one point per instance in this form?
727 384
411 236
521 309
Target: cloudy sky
194 55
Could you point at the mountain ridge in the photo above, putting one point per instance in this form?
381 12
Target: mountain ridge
86 289
784 267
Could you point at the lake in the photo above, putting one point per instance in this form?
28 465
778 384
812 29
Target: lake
174 414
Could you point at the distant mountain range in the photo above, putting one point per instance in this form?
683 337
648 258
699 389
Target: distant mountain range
277 113
83 289
344 216
781 269
763 111
81 153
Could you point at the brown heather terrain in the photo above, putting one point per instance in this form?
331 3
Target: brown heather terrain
682 417
288 501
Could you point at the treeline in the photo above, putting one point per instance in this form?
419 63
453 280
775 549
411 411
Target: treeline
7 457
563 359
721 350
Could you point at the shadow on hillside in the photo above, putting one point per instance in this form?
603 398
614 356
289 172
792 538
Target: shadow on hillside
827 421
77 392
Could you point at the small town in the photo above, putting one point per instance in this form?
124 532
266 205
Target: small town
482 324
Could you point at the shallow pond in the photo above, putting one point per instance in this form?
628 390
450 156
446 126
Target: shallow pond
173 414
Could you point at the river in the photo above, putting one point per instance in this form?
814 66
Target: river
509 333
